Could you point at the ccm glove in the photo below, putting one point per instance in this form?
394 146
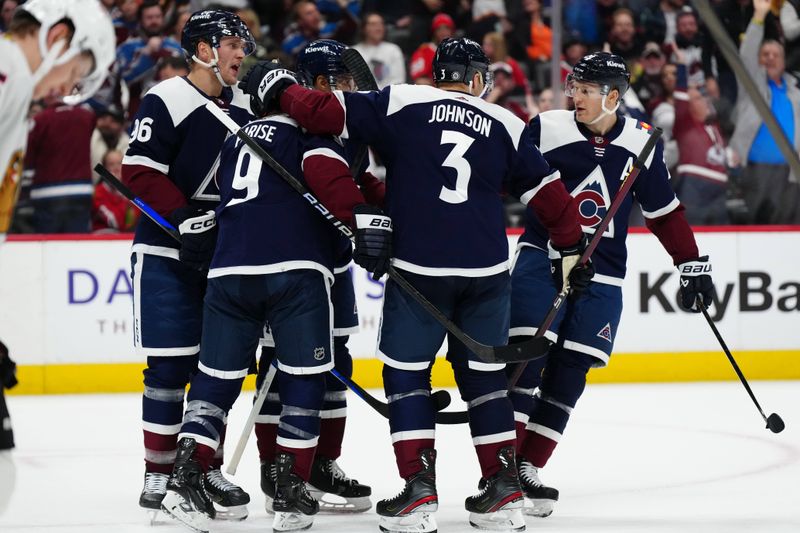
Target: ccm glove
373 249
265 83
565 269
696 281
198 229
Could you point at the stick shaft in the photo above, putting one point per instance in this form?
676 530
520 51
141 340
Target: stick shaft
261 395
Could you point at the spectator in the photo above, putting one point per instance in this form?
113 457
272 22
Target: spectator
659 22
138 57
695 51
504 86
6 12
309 25
702 181
494 45
385 59
397 17
127 21
112 212
421 66
664 113
648 76
572 52
581 21
622 38
769 190
539 47
109 134
58 155
487 16
167 67
790 22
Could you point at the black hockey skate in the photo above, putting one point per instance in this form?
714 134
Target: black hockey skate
294 507
230 501
412 510
186 499
336 492
498 506
155 487
540 499
268 484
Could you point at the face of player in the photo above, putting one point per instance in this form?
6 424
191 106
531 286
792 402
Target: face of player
344 82
62 79
588 100
231 54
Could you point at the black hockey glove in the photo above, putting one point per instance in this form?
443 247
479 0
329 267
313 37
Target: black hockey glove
373 249
265 83
696 281
564 267
198 229
8 369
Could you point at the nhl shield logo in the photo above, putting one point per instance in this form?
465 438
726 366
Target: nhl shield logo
319 353
605 332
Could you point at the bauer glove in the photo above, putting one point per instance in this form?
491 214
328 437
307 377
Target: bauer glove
265 83
198 229
565 269
696 281
373 250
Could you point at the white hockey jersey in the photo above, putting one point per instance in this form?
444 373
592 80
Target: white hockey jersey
16 91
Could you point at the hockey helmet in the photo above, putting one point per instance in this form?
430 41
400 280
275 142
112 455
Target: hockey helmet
212 26
322 57
608 71
93 33
457 60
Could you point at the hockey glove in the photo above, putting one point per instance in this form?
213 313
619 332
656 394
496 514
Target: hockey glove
8 369
265 82
373 249
565 269
696 281
198 229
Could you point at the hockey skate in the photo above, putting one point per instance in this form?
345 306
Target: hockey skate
155 487
186 499
498 506
412 510
294 507
230 501
539 498
335 492
268 484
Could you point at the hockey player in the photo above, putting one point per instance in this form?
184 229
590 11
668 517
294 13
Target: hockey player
170 163
594 148
319 66
273 262
449 155
50 47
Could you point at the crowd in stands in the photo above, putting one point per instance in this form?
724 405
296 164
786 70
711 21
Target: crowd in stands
725 164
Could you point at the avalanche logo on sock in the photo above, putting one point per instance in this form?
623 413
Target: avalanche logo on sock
593 201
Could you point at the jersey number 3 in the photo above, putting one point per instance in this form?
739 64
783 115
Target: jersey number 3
455 159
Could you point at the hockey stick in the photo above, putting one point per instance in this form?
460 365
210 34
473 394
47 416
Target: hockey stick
442 397
261 395
532 349
774 422
365 81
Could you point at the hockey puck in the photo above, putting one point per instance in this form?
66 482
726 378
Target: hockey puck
441 399
774 423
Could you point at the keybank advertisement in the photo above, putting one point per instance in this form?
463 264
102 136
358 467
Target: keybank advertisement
70 301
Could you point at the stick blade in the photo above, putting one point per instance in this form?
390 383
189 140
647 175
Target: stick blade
532 349
775 423
362 75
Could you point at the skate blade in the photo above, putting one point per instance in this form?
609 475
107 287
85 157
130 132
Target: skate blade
268 505
285 521
335 504
502 520
234 512
539 508
179 509
416 522
153 515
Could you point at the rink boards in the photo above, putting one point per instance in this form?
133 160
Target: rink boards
65 313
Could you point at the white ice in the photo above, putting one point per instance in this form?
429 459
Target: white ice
655 458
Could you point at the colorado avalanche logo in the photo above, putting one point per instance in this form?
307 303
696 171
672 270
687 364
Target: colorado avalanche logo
593 201
605 332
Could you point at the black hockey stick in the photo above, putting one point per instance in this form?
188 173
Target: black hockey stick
532 349
365 81
441 398
774 422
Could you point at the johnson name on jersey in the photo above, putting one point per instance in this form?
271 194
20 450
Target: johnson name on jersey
173 134
592 169
447 155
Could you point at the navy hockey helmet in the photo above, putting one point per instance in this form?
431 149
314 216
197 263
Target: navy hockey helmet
322 57
457 60
212 26
608 71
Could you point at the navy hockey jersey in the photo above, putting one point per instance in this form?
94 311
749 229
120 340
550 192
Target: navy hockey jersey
592 169
265 226
448 156
174 135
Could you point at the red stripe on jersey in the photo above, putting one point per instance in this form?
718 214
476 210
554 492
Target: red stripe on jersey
558 213
331 182
320 113
675 234
154 187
